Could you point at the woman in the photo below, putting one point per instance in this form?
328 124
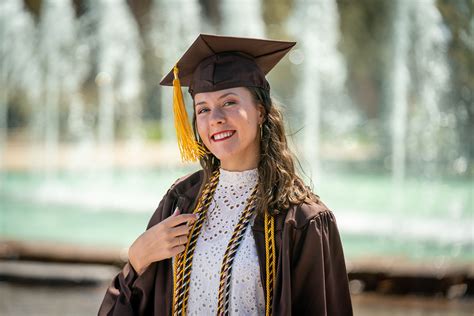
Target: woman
243 236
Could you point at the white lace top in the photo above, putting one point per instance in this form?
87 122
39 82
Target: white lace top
246 293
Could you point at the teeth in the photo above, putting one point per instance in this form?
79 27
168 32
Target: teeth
222 135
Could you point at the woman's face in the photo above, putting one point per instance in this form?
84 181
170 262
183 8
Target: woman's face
228 124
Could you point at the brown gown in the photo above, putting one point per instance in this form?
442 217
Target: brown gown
311 277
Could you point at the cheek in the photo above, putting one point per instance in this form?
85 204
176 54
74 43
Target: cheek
202 130
252 125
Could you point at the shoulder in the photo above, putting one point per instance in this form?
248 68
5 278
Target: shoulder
181 194
188 182
300 215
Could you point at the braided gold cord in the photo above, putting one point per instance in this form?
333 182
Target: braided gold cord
182 269
185 262
270 260
232 247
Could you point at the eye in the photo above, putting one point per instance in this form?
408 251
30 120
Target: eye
202 110
229 103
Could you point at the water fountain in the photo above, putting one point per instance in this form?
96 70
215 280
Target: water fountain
57 42
119 67
431 140
419 73
400 83
419 79
18 67
321 69
110 52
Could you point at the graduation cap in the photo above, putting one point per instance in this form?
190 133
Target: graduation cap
215 63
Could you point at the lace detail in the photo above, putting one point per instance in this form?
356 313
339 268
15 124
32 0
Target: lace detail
247 297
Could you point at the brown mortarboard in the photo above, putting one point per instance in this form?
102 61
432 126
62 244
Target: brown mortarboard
214 63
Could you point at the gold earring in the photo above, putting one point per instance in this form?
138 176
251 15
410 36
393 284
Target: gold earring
261 131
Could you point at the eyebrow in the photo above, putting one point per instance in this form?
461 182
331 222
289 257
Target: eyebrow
221 97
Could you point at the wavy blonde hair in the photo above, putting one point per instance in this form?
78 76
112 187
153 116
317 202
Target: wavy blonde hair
279 185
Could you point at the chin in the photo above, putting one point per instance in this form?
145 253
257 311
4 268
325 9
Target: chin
223 157
222 153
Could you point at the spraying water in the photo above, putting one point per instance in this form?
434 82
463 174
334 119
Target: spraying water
57 35
432 125
250 10
400 86
321 69
420 73
17 67
118 66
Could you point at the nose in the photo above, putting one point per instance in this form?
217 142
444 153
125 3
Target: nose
217 116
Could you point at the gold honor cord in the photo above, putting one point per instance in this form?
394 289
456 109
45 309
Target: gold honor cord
269 260
182 269
232 247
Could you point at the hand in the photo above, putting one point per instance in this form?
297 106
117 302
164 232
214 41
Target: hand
162 241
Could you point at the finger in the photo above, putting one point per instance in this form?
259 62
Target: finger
180 230
176 212
178 249
179 240
180 219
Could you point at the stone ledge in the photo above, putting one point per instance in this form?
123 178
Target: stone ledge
34 272
57 252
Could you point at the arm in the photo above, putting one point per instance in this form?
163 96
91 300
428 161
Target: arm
319 280
132 289
123 297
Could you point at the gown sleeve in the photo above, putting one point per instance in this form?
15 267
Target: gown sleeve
319 277
129 293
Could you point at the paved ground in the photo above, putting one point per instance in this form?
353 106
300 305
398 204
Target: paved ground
18 300
35 288
390 305
39 300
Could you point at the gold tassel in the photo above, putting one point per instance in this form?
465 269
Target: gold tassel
188 147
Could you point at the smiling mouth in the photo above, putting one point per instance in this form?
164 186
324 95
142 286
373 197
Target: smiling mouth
222 136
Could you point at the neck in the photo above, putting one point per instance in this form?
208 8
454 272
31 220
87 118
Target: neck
238 169
235 165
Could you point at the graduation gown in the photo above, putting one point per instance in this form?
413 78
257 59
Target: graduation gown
311 277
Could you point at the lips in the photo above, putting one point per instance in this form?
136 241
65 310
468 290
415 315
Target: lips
220 136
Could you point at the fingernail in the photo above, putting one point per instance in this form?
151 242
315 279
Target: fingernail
176 210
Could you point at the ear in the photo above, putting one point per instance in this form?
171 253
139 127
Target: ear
261 113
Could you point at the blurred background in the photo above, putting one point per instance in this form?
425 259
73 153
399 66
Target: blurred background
378 99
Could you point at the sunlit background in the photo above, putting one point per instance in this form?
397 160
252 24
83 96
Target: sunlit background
377 96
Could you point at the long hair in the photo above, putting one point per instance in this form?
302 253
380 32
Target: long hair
279 185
